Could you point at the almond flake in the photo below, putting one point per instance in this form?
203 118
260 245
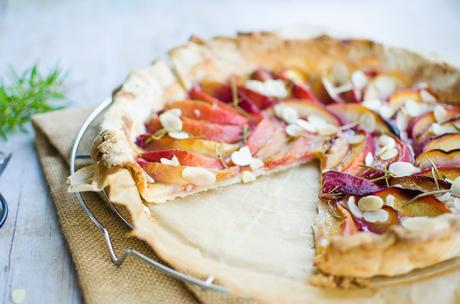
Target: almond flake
256 164
270 87
306 125
367 122
198 176
242 157
386 111
316 121
445 197
369 159
386 141
294 130
390 200
400 169
327 130
286 113
170 121
359 80
178 135
355 139
440 113
247 177
171 162
370 203
385 86
455 188
427 97
353 208
457 203
389 154
330 89
377 216
412 108
372 104
402 120
148 178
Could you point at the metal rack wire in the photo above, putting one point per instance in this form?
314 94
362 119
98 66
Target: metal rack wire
119 259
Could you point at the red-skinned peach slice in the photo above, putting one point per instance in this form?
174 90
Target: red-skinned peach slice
446 142
261 135
420 124
353 113
301 149
261 75
348 224
218 90
334 183
185 158
379 227
260 101
423 206
203 147
169 174
440 158
354 161
418 182
274 145
448 172
305 108
203 111
197 94
336 154
398 99
211 131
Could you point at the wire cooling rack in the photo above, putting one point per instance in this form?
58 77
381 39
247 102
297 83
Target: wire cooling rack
118 259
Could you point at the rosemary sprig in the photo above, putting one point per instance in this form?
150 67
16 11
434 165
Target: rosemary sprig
220 156
156 136
235 100
245 134
25 94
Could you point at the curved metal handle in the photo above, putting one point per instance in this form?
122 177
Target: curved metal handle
118 260
3 211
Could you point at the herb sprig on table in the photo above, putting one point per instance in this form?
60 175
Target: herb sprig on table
25 94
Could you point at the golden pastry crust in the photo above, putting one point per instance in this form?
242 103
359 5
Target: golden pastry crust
363 255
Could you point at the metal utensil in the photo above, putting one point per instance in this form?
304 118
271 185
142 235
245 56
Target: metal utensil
3 204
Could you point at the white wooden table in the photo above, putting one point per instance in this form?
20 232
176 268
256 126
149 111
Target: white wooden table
99 43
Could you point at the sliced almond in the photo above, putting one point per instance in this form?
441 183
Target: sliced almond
178 135
294 130
198 176
400 169
242 157
367 122
390 200
330 89
270 87
306 125
170 121
373 104
247 177
455 188
327 130
427 97
369 159
389 154
370 203
256 164
172 162
412 108
377 216
418 223
316 120
355 139
353 208
385 86
148 178
359 80
286 113
457 203
440 113
386 141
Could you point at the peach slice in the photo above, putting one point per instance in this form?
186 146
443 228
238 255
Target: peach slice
449 172
321 93
348 224
274 145
301 91
335 154
169 174
251 98
261 75
354 161
261 134
221 91
446 142
439 157
203 147
354 113
185 158
398 99
418 182
423 206
420 124
305 108
302 149
203 111
196 93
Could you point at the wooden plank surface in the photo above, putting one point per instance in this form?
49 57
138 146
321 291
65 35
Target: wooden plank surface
99 42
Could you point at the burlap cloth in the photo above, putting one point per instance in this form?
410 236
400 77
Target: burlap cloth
100 280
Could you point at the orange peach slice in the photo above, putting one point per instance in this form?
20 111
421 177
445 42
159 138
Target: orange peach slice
261 134
305 108
446 142
439 157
